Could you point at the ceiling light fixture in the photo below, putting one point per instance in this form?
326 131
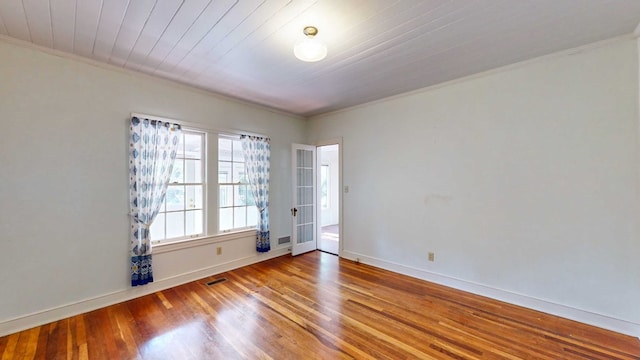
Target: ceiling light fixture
310 49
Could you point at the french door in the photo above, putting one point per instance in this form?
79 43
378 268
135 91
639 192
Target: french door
304 232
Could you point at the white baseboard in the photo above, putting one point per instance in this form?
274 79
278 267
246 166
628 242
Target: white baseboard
583 316
61 312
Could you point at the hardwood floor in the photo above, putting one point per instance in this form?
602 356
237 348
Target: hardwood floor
329 240
315 306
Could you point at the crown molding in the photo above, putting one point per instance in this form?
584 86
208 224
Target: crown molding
174 83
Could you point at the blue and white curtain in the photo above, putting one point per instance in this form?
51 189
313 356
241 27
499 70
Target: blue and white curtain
152 150
257 157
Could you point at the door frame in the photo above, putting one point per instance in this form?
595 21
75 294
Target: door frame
334 141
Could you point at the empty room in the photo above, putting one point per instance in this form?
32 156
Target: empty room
319 179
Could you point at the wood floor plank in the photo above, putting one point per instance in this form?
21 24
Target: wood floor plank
9 349
316 306
120 321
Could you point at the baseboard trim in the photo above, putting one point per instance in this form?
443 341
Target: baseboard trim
571 313
61 312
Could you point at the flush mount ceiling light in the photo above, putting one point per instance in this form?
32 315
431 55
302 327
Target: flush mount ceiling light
310 49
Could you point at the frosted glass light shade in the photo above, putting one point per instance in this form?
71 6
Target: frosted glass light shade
310 50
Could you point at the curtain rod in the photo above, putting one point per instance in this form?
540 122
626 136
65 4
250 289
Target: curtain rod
197 126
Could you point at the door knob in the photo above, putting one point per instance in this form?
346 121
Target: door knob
294 211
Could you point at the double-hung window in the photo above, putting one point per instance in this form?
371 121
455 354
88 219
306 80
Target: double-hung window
182 212
237 208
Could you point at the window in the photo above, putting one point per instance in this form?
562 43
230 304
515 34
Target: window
237 208
181 214
324 189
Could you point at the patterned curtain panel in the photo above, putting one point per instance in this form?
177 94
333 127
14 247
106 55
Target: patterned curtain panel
152 149
257 157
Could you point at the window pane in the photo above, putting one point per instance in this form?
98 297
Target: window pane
239 217
300 231
240 195
304 158
194 222
252 216
224 172
157 228
238 173
308 177
324 190
308 214
226 219
237 151
250 199
304 176
309 232
233 198
175 197
226 195
193 171
194 197
305 233
224 149
299 158
177 173
172 220
193 146
305 195
175 225
308 158
305 214
180 152
300 217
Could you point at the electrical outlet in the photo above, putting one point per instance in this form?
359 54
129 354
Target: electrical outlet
219 250
431 256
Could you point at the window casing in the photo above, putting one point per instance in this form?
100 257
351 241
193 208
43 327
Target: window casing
196 208
236 206
182 213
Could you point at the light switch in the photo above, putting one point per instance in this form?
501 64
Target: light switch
346 189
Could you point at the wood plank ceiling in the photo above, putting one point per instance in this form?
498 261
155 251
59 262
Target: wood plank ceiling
377 48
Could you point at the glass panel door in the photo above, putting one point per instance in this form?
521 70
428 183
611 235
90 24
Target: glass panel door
304 199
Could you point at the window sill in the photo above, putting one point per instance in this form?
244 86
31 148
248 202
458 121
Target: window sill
205 240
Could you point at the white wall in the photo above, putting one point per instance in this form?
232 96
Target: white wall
523 180
64 175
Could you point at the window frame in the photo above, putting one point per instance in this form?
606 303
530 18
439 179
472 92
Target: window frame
204 184
246 185
210 235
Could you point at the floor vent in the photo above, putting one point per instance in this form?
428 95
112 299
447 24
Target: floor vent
284 240
216 281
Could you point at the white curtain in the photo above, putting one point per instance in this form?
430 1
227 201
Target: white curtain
257 158
152 150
